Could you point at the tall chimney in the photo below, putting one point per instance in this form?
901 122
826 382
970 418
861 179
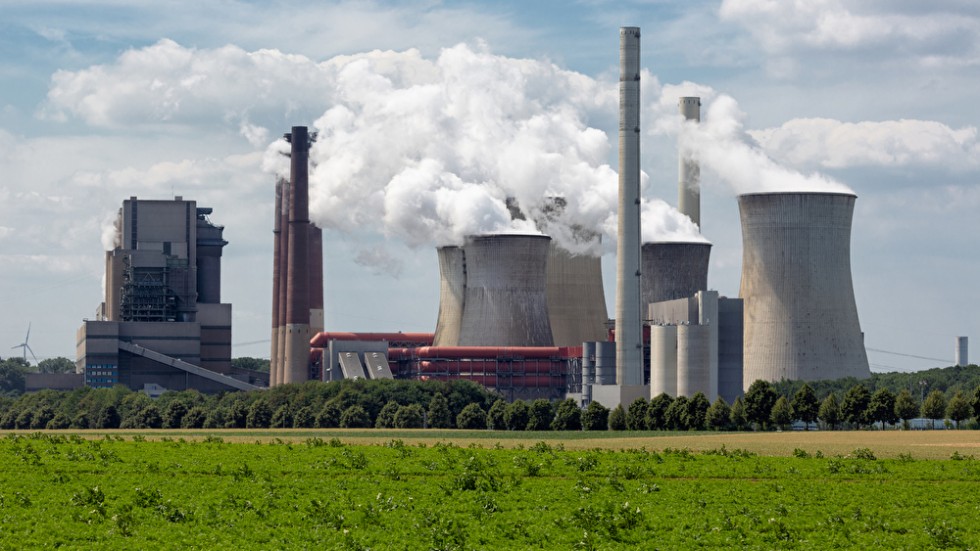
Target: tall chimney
316 279
277 377
629 344
276 278
298 278
689 172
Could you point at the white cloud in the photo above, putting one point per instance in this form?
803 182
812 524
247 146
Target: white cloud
831 143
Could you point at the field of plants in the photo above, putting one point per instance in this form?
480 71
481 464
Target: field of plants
134 491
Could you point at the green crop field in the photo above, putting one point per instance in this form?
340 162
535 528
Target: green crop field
485 490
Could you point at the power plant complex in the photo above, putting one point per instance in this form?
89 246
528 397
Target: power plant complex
517 312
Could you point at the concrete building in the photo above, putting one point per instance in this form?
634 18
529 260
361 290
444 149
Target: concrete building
801 320
162 321
696 346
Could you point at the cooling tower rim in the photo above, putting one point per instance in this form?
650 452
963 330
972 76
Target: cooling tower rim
798 193
505 235
705 243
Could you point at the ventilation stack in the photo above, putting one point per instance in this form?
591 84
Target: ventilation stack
962 355
452 286
629 328
673 270
277 270
801 320
316 279
297 328
689 172
504 302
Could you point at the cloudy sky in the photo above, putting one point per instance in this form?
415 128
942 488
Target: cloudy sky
430 112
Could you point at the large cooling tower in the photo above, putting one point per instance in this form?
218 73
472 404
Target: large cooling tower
673 270
452 286
576 300
504 299
801 320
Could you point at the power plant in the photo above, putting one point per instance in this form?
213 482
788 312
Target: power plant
517 312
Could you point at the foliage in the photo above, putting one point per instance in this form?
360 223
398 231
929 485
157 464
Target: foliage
540 415
13 373
759 400
675 418
636 414
905 406
657 411
496 416
617 418
356 417
472 417
958 408
438 415
516 415
568 416
254 364
830 411
781 414
854 406
696 411
881 408
386 417
934 406
739 419
805 405
259 414
411 416
595 417
719 415
56 365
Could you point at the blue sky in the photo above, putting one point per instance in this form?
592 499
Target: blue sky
103 100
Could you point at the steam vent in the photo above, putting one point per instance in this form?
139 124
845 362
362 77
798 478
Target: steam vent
801 320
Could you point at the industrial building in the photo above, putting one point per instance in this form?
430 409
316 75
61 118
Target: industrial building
162 321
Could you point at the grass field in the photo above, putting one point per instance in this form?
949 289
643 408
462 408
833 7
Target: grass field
933 444
434 490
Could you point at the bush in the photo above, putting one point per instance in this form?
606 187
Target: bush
496 415
173 415
439 416
355 417
282 418
595 417
108 418
386 417
540 415
472 417
409 417
259 415
329 416
59 421
617 418
636 415
216 418
516 415
147 417
304 418
568 416
194 418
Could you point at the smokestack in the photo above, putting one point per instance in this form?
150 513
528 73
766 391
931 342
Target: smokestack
504 302
801 320
274 358
689 172
316 279
297 350
278 377
629 345
962 356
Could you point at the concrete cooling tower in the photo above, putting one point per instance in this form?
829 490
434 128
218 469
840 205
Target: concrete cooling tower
801 321
452 286
576 300
504 302
673 270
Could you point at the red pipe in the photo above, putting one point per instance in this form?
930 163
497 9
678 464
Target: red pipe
492 381
489 352
487 366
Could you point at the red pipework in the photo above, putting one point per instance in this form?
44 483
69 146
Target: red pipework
320 340
489 352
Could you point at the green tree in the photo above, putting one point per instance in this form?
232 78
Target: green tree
540 415
282 418
758 403
636 414
854 407
881 407
738 417
174 414
59 421
657 410
906 407
675 418
148 417
13 373
617 418
254 364
781 414
356 417
934 406
472 417
805 405
830 411
958 408
439 416
259 415
595 417
568 416
696 412
975 402
194 418
410 417
496 415
516 415
386 417
304 418
329 416
719 415
56 365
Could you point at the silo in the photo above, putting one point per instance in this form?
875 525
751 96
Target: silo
576 300
504 299
663 360
673 270
605 363
694 362
801 320
452 286
962 357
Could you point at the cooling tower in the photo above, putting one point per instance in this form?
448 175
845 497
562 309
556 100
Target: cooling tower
576 300
801 321
504 298
663 360
673 270
297 322
689 172
452 286
629 328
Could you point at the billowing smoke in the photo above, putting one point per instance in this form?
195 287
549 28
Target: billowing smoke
110 232
723 147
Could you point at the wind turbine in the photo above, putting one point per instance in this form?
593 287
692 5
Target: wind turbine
25 346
